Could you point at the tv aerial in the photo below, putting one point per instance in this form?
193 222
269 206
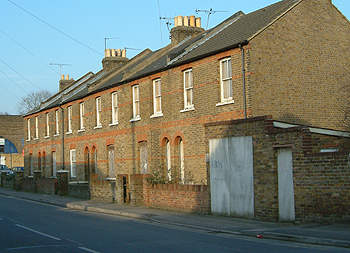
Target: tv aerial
209 12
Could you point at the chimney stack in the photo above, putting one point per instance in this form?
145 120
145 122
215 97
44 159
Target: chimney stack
114 59
184 27
65 82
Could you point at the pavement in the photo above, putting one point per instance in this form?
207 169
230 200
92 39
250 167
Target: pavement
335 234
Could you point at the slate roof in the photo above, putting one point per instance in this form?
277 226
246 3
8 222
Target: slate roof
238 29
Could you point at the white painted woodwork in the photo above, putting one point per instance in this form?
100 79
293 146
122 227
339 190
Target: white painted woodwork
231 176
285 185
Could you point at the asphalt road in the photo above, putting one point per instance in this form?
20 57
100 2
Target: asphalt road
27 226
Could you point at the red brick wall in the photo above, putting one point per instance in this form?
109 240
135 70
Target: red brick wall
46 185
185 198
321 180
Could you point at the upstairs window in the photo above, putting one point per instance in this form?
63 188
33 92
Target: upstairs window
114 108
57 123
226 80
69 127
136 102
36 128
157 98
188 89
81 116
28 129
98 112
47 125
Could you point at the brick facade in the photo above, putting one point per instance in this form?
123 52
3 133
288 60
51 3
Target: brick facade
301 60
321 179
12 129
285 77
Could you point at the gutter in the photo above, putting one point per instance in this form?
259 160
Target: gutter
244 82
63 164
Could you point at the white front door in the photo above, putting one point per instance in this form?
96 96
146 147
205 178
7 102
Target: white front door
285 185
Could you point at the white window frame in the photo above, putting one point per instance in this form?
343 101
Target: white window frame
81 116
135 103
115 109
31 164
98 112
69 112
182 161
36 128
111 161
57 123
227 100
28 129
47 125
155 112
168 159
73 163
54 163
189 88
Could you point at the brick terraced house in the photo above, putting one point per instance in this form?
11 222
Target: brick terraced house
11 140
162 114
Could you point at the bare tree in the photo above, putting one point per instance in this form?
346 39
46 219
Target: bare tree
32 101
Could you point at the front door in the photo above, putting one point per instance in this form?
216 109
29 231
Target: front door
231 176
285 185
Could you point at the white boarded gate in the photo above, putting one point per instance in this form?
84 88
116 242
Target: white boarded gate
231 176
285 185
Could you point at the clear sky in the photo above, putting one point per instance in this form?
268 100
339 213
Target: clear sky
35 33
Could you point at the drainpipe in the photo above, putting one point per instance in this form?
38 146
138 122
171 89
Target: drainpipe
243 80
62 136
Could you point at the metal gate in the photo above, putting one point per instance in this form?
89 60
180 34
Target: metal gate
231 176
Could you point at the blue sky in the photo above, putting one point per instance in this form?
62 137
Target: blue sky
27 45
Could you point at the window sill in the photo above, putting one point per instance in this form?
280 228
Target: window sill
188 109
28 140
98 127
156 115
137 118
225 103
47 137
70 132
81 130
114 124
111 179
36 138
56 135
30 176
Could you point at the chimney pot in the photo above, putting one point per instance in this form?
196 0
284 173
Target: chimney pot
192 21
124 53
108 52
118 52
62 77
198 22
186 21
113 53
179 20
175 21
67 77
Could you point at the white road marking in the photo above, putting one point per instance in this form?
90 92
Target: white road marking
33 247
40 233
88 250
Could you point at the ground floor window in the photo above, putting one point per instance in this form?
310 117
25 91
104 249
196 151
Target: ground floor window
111 168
73 165
54 164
